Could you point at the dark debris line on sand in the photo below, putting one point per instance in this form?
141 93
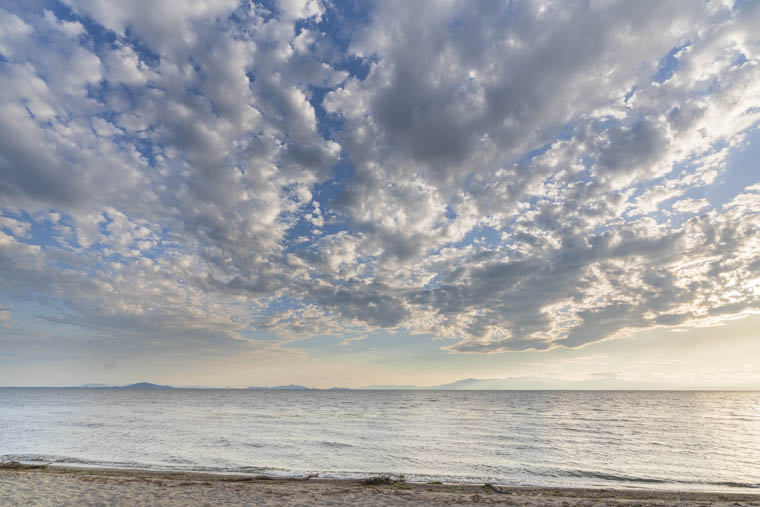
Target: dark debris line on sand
15 465
383 480
493 488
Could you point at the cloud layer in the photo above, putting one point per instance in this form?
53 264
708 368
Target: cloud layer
509 175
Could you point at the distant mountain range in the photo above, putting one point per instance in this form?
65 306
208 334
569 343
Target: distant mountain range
527 384
473 384
149 385
290 387
138 385
600 382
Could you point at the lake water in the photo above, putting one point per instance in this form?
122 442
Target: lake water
671 440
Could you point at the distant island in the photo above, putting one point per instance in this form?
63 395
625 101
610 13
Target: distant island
290 387
145 385
601 382
138 385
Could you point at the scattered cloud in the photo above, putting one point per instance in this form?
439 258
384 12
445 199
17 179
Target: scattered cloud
508 176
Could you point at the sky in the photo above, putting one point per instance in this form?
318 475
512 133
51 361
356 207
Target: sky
351 192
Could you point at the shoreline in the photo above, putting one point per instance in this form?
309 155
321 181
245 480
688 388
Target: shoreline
66 485
264 473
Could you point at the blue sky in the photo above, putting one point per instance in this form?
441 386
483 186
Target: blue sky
238 192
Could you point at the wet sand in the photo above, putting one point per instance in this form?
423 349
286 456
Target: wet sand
78 486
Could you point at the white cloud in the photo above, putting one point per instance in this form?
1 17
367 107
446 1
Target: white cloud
5 316
300 9
690 205
12 30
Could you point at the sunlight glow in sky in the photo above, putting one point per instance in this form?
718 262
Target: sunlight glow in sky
391 192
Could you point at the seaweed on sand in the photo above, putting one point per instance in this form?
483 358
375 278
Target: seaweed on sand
15 465
384 480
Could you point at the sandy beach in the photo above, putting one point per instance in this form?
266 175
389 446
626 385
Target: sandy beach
78 486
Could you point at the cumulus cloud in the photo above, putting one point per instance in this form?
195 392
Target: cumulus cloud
690 205
511 176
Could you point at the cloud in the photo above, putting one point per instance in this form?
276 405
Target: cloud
510 176
690 205
5 316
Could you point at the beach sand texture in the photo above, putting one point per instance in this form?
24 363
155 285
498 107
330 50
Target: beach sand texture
68 486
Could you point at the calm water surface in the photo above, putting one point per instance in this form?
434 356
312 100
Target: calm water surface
671 440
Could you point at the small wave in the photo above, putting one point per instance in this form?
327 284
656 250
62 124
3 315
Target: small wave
29 458
75 461
736 484
649 480
83 424
179 460
338 445
608 476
